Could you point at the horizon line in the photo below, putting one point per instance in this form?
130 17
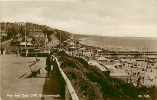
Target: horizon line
87 34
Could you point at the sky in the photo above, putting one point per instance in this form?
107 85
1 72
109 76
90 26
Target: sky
132 18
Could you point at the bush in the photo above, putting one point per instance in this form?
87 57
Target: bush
71 76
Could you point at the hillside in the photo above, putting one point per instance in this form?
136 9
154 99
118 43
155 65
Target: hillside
38 33
93 84
19 29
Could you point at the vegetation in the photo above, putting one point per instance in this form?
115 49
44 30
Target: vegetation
14 29
92 84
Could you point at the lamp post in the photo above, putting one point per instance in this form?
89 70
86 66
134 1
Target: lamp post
60 39
25 25
1 37
25 35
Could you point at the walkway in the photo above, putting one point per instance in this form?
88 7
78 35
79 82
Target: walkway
12 88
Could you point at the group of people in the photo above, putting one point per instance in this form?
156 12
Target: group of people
3 51
142 75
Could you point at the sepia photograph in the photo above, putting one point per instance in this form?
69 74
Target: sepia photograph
78 49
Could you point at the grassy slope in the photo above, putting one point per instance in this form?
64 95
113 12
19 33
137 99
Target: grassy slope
92 84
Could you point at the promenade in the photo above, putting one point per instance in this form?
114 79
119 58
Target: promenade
13 88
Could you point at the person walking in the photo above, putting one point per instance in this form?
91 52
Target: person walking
4 51
18 52
1 51
48 65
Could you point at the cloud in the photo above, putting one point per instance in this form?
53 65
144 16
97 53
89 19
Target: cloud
99 17
43 0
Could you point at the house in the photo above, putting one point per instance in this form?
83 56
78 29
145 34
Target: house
37 34
101 58
119 74
99 66
28 44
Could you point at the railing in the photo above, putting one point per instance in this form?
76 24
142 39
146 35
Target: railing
67 81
